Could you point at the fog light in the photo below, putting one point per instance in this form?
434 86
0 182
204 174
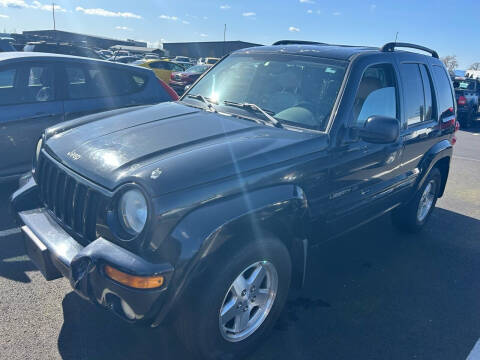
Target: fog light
138 282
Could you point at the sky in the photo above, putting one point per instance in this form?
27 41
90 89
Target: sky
450 27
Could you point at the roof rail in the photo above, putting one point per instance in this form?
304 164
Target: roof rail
297 42
392 45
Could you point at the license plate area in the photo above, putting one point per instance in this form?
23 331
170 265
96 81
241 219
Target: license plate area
39 255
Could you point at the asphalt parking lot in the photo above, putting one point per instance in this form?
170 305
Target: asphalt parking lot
371 294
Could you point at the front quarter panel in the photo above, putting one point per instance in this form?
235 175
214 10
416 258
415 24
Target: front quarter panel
218 228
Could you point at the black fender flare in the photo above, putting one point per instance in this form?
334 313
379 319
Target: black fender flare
440 153
209 228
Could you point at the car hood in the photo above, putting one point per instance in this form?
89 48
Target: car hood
171 146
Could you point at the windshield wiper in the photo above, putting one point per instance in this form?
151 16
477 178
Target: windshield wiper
253 107
203 99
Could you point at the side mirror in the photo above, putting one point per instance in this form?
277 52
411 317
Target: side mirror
380 130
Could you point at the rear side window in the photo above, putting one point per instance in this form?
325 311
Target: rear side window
377 94
84 83
428 113
444 91
413 92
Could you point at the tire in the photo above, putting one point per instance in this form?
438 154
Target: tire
199 324
469 119
409 217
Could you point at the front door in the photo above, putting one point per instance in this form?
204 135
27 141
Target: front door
365 174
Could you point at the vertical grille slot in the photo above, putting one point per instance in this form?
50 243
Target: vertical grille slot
68 202
74 204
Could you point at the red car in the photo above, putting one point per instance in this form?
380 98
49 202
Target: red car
178 80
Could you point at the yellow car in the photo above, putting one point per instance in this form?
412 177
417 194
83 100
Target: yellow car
162 68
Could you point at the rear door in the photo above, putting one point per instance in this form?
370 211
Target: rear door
421 117
28 104
97 87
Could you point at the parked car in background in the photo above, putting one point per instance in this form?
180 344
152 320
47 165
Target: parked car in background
178 80
211 60
473 74
123 59
151 56
105 54
121 53
467 94
61 48
183 61
202 212
162 68
40 90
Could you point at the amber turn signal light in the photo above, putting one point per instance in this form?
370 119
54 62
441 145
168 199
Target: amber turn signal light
137 282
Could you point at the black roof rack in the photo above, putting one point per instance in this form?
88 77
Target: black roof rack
297 42
392 45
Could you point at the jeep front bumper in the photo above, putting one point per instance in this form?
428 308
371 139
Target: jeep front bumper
57 254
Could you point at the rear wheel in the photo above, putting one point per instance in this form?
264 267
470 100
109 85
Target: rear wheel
469 119
415 214
232 307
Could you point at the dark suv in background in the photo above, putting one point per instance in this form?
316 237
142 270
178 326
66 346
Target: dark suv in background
467 94
40 90
201 212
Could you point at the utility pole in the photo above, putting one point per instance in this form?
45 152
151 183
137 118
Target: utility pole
224 38
54 24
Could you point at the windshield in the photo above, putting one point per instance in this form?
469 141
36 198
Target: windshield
296 90
464 85
197 69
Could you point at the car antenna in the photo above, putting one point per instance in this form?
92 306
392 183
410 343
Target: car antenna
396 37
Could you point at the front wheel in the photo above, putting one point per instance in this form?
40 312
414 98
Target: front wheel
414 215
234 304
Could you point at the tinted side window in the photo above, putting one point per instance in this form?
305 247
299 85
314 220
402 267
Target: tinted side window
7 78
428 90
77 83
444 91
39 84
86 83
413 92
8 91
377 94
116 82
162 65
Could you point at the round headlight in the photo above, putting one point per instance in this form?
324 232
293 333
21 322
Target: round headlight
39 148
133 211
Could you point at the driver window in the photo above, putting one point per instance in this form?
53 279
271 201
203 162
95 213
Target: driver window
376 95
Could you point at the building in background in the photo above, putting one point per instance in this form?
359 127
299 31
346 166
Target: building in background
205 49
78 39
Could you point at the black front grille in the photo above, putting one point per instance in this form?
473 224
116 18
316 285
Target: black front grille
74 204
